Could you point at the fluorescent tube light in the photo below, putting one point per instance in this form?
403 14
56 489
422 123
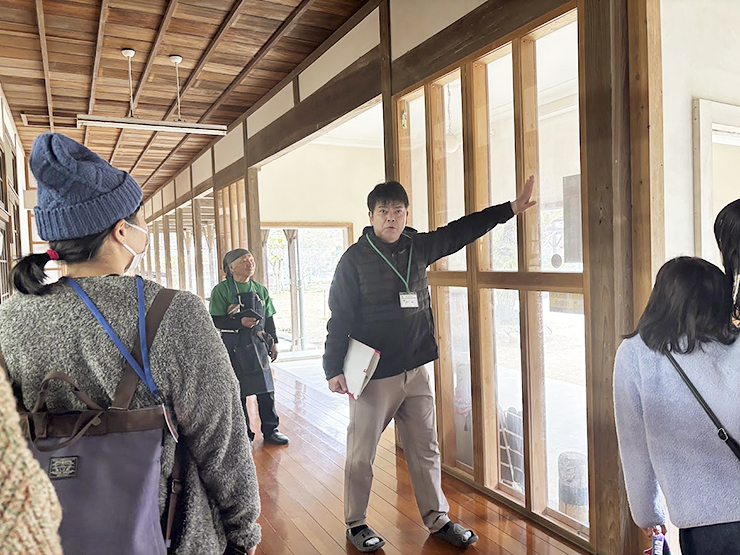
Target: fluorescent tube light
150 125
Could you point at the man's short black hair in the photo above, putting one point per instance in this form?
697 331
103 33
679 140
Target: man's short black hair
390 191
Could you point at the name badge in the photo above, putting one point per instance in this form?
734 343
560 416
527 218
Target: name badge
409 300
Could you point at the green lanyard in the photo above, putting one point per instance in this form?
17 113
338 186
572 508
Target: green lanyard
408 271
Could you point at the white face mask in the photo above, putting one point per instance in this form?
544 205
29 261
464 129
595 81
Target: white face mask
138 257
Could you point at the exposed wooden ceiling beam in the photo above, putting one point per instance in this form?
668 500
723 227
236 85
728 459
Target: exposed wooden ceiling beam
45 59
204 59
96 64
281 31
148 66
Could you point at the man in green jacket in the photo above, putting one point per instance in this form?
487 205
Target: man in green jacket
243 311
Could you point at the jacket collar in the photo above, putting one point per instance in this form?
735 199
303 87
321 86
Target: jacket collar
404 241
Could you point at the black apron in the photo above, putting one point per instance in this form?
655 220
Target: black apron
248 350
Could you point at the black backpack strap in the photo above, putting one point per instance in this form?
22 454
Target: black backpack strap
721 432
127 386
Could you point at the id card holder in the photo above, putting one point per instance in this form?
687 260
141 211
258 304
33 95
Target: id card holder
409 300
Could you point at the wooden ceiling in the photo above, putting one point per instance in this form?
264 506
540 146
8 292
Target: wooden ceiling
59 58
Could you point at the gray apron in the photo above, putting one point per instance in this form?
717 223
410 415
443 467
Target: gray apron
248 350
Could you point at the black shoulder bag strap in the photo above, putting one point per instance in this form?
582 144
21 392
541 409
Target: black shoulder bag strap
721 432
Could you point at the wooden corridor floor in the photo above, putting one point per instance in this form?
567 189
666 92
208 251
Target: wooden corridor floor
302 492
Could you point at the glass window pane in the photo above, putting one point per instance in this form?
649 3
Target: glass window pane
278 282
455 344
450 200
500 245
559 202
150 254
162 277
209 249
502 357
561 361
174 256
413 157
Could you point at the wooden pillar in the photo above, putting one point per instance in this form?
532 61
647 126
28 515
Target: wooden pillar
254 231
181 254
607 223
646 139
389 143
167 246
198 240
157 262
295 322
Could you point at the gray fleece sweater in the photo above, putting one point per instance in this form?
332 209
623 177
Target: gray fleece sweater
189 364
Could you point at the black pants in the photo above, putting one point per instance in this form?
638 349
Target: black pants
717 539
268 415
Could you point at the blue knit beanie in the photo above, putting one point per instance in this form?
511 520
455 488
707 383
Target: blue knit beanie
79 193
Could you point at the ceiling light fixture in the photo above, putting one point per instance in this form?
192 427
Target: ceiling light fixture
132 122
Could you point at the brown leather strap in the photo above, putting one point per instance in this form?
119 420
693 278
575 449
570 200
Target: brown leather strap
130 379
40 405
175 488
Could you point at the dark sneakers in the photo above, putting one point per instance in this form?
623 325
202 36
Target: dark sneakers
276 438
456 535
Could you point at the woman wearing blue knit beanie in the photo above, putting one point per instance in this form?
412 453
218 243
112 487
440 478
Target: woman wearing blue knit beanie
676 385
89 212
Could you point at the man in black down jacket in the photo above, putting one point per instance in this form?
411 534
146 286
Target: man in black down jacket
380 297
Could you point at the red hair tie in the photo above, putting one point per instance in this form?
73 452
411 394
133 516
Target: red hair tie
54 255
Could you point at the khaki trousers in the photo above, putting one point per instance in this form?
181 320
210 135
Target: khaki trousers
407 398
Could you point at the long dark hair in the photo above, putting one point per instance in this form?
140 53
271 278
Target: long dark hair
727 234
28 275
691 304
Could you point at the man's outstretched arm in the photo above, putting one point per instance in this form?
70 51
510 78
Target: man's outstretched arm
455 235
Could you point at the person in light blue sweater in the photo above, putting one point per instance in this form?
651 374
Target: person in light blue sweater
666 440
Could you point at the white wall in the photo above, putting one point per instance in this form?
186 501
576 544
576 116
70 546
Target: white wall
700 47
320 183
355 44
414 21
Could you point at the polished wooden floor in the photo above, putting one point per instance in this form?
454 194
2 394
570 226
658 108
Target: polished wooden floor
301 487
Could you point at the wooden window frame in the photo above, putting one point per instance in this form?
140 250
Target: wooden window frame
527 279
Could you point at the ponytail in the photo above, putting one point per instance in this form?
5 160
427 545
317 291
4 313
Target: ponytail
28 275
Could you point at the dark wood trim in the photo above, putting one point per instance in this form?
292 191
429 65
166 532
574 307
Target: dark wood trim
204 187
353 87
41 22
254 231
198 242
389 143
166 18
204 59
180 230
490 22
96 64
607 223
296 95
227 176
